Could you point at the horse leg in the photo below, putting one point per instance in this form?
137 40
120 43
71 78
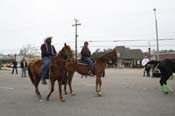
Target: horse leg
70 76
65 87
36 83
164 78
163 82
98 85
65 83
52 89
60 91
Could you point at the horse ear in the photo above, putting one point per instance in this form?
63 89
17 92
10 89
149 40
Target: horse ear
113 50
65 44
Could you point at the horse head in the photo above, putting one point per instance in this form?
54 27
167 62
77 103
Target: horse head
113 54
66 52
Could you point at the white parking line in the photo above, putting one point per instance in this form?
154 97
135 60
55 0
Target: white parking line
6 88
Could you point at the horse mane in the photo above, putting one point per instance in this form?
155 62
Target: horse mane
63 53
106 56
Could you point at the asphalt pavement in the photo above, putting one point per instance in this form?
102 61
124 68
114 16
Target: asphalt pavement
125 92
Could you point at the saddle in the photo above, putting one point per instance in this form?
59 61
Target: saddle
81 61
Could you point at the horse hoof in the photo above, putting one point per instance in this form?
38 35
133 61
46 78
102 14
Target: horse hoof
99 94
47 99
73 94
39 97
65 93
62 100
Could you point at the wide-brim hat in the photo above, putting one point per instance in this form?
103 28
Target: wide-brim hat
86 43
48 38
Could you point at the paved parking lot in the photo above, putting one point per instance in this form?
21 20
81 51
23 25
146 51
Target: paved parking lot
125 93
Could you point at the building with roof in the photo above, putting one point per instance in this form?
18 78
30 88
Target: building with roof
130 58
162 56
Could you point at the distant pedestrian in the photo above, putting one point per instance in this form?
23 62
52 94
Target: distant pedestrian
147 69
23 67
14 66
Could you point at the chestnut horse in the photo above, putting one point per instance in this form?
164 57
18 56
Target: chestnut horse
99 68
57 70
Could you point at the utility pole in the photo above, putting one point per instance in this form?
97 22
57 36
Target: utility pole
157 38
76 35
15 56
149 50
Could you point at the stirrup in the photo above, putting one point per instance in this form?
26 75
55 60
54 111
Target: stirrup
44 82
90 73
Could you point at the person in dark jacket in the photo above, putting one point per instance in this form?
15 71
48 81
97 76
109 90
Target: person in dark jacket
47 53
23 66
86 56
14 63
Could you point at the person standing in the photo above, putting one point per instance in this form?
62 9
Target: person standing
47 52
23 66
14 63
147 68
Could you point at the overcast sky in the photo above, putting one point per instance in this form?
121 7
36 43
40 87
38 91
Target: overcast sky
25 22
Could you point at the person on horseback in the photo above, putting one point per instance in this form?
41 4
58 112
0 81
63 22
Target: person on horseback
47 53
86 56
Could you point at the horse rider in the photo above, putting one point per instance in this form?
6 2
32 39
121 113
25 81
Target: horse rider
86 56
47 53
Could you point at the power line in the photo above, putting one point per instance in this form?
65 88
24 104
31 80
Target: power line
104 41
130 46
129 40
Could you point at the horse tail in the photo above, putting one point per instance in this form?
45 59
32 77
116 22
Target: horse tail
30 73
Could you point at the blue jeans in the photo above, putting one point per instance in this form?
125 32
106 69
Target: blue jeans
45 67
89 61
23 72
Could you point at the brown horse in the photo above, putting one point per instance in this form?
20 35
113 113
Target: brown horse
99 68
57 70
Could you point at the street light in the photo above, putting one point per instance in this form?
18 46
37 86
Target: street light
76 35
157 38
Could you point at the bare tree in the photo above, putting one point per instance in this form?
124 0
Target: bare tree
28 50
